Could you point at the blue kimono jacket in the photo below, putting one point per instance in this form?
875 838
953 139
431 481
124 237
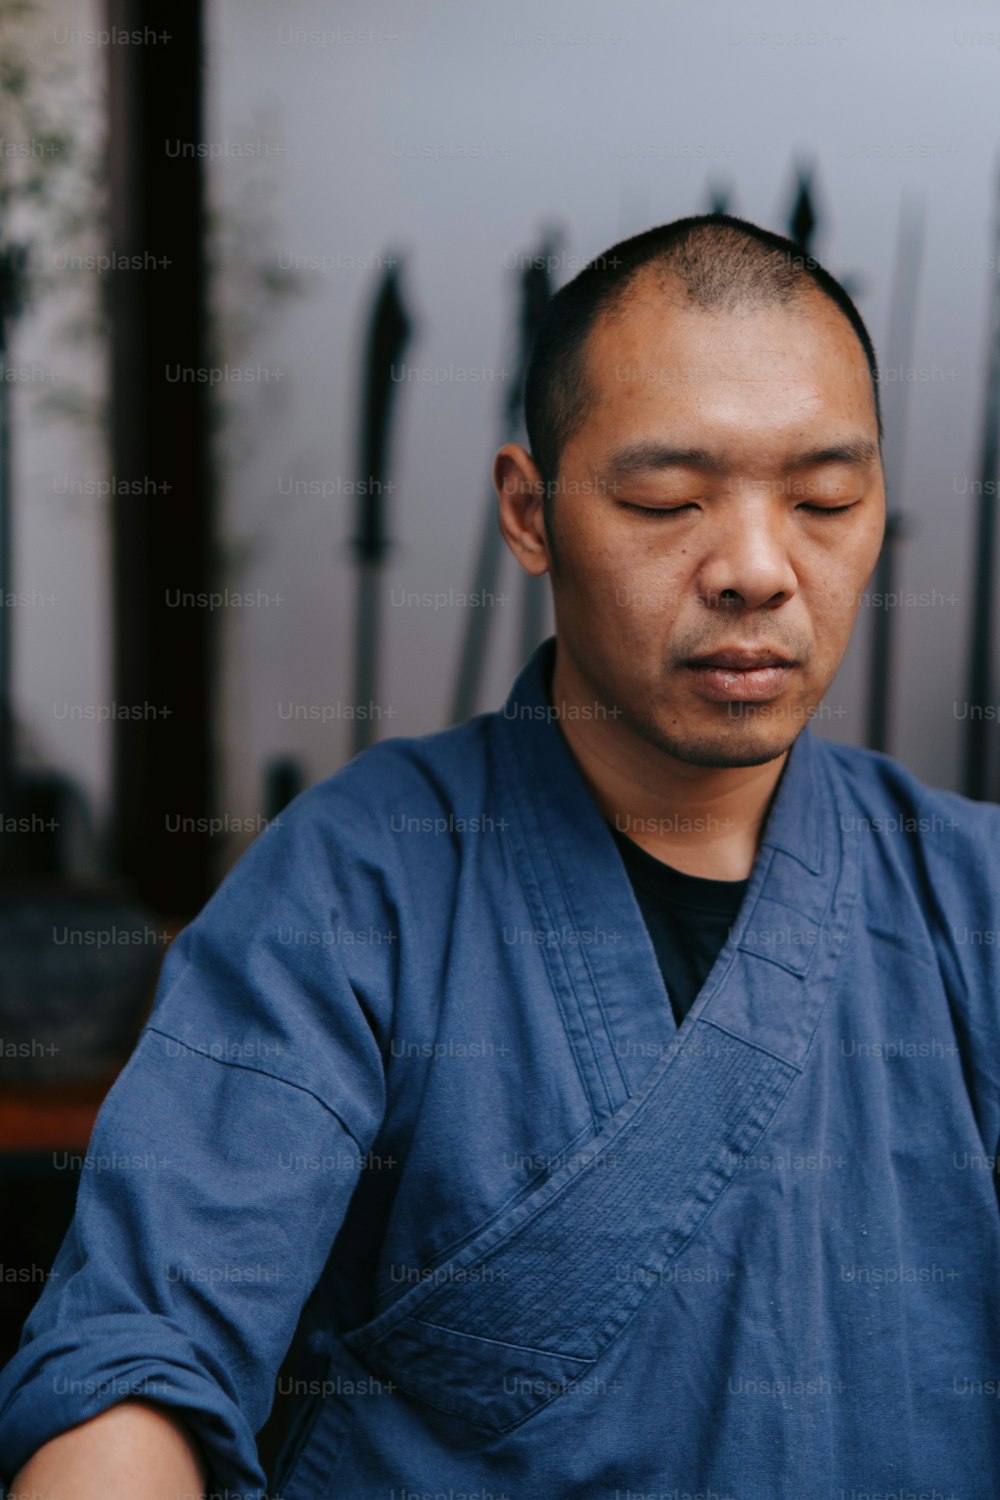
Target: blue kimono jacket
412 1083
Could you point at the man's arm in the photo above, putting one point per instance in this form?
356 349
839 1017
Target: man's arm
134 1451
222 1160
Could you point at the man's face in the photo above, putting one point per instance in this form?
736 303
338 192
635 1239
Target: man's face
697 512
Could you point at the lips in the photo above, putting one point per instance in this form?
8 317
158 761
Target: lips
737 660
740 675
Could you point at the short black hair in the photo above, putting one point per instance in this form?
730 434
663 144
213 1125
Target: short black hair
719 261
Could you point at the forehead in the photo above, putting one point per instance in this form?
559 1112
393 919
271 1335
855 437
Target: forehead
754 378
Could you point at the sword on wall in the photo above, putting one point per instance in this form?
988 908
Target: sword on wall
535 288
802 221
899 352
389 331
978 773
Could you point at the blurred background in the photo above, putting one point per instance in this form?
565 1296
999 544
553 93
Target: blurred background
267 276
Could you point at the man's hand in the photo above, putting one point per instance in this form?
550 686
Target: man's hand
135 1451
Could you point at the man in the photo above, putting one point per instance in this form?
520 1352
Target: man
608 1087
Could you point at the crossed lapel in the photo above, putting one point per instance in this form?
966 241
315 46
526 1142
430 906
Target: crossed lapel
526 1306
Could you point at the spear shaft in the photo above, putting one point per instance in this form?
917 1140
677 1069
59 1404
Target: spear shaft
535 291
980 669
899 350
389 332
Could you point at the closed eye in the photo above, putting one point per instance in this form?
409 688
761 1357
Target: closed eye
676 510
657 510
828 510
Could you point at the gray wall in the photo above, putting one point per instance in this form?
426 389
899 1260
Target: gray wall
453 135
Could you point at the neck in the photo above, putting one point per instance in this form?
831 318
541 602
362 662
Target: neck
702 820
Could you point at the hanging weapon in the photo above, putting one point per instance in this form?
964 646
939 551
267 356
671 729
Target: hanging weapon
802 220
899 350
978 773
719 198
535 291
389 331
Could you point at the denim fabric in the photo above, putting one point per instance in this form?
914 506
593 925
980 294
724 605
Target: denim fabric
411 1084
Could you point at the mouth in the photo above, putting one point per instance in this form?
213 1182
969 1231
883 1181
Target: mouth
740 675
737 659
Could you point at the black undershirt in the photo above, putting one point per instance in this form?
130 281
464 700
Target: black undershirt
688 919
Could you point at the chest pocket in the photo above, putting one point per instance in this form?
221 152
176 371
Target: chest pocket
524 1311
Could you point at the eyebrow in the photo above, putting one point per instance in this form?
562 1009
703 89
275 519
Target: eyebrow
647 456
853 451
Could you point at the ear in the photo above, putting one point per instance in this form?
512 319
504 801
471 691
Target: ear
520 488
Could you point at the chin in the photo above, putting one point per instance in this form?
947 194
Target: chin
727 748
727 758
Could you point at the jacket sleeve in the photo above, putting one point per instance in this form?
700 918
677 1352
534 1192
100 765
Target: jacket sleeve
220 1166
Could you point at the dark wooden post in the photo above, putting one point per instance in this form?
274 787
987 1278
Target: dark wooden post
162 537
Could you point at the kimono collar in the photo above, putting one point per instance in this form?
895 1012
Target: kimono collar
793 822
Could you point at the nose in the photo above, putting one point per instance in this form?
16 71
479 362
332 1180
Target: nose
747 559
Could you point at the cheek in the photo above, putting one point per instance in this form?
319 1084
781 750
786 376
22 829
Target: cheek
863 548
834 576
607 568
650 590
832 604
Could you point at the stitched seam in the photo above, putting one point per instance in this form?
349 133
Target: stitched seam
229 1062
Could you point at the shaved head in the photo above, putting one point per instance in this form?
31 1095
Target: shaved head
712 262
